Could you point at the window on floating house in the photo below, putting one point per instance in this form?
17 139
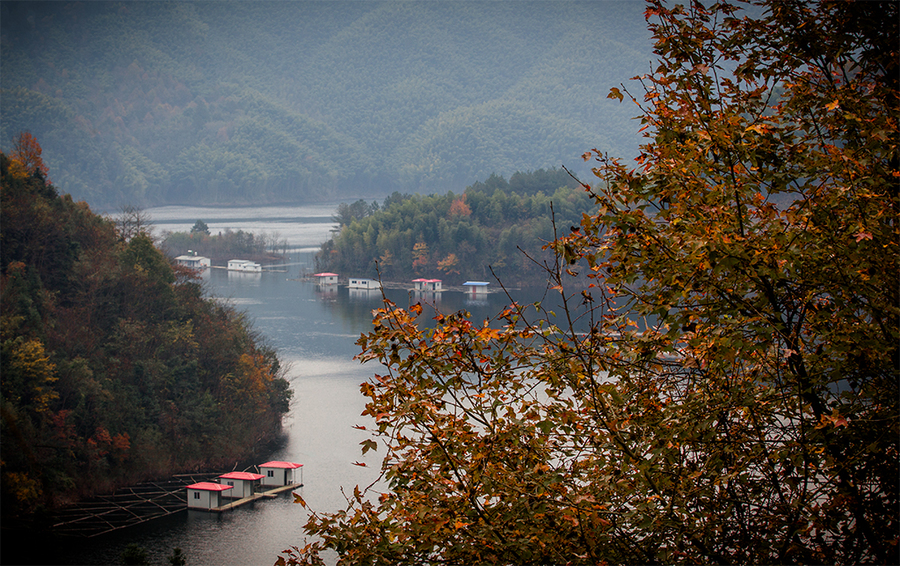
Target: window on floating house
270 473
196 495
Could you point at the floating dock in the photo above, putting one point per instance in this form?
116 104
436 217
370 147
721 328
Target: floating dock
259 495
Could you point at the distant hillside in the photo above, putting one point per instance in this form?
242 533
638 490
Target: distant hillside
148 103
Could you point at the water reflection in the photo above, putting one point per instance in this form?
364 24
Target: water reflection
429 297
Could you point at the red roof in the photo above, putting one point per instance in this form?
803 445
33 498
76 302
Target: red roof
242 476
426 280
276 464
325 275
210 486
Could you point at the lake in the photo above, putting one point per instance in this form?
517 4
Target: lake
315 334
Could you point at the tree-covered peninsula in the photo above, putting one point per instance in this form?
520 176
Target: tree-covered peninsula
115 366
495 228
219 248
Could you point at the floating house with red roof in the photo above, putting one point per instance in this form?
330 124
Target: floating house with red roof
326 278
205 495
244 483
280 473
427 284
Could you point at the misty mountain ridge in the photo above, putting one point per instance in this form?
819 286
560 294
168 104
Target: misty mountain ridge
153 103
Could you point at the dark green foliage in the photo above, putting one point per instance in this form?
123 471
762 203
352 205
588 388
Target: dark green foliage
115 367
347 213
251 102
135 555
200 227
494 228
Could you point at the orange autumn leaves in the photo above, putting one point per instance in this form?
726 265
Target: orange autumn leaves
25 157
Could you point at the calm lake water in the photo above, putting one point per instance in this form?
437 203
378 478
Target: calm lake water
315 333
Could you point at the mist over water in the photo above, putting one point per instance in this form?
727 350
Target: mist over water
303 227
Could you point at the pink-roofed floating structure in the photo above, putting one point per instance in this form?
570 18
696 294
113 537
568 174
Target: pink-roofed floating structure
205 495
274 477
280 473
433 285
326 278
244 483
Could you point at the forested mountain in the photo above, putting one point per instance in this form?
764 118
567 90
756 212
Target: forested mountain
251 102
496 228
115 368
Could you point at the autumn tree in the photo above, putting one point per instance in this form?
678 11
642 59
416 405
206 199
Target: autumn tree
459 208
725 389
420 256
25 157
449 265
